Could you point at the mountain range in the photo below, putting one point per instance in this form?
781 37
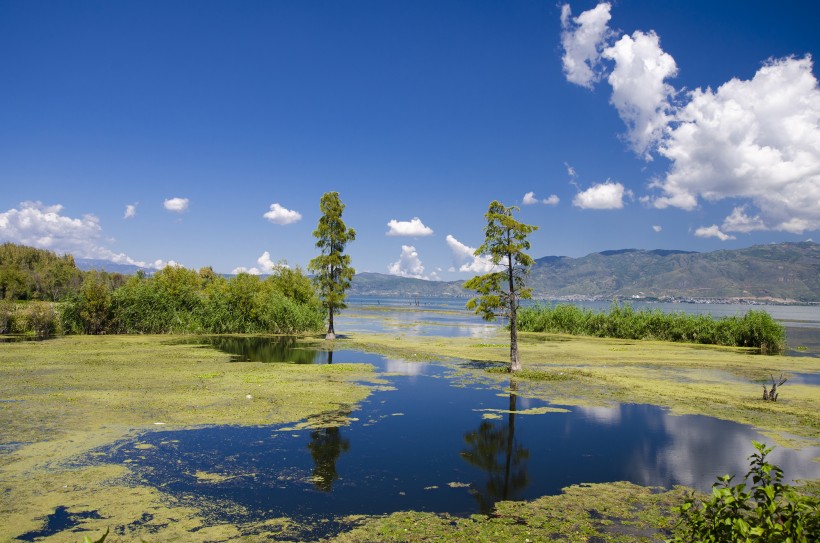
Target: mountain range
781 272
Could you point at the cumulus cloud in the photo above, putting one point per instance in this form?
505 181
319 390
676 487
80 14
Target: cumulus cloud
739 221
466 261
280 215
757 139
130 211
45 227
712 232
267 265
160 264
657 228
414 227
243 269
583 39
639 91
408 265
530 199
177 205
607 195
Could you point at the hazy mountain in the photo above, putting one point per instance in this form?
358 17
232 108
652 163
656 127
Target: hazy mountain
87 264
787 272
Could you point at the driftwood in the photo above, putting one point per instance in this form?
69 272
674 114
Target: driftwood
771 395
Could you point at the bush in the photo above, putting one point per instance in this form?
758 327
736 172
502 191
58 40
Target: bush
755 329
39 318
769 512
6 316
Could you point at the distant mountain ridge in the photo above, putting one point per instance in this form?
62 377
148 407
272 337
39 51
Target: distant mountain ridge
782 272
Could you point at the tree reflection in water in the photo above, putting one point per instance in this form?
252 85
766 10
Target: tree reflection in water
494 449
326 445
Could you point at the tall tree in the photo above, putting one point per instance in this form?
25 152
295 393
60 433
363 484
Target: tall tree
332 267
501 290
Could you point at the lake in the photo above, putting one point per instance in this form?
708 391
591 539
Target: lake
430 441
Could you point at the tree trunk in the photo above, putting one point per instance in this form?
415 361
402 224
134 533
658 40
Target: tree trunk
515 363
331 333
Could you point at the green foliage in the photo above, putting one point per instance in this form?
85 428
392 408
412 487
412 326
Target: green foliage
87 539
500 292
39 319
177 300
27 273
768 512
754 329
6 316
333 272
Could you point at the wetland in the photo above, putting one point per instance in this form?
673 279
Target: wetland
403 429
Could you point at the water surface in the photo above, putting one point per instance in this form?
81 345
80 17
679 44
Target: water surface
427 445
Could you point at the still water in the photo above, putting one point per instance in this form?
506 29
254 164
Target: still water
427 444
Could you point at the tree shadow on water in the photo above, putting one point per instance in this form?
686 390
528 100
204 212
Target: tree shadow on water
493 448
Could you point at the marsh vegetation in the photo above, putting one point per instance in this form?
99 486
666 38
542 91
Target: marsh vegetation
756 328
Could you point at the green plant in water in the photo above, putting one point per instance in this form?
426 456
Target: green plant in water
88 539
768 512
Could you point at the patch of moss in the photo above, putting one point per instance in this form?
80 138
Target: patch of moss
612 512
67 396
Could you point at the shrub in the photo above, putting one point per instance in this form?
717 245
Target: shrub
38 318
769 512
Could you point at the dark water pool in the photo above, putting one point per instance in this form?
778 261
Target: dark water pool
427 445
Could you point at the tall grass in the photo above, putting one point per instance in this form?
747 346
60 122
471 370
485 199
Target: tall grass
754 329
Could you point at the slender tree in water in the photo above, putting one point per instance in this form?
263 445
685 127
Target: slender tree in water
501 290
333 272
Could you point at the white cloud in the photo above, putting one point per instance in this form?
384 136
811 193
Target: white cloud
45 227
160 264
571 171
464 257
177 205
267 265
739 221
657 228
265 262
757 139
130 211
414 227
607 195
583 39
242 269
281 215
530 199
712 232
639 92
408 265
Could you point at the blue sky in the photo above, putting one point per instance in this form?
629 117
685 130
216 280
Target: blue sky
679 125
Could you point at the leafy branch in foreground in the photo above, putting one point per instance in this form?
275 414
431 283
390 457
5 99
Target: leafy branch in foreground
769 512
